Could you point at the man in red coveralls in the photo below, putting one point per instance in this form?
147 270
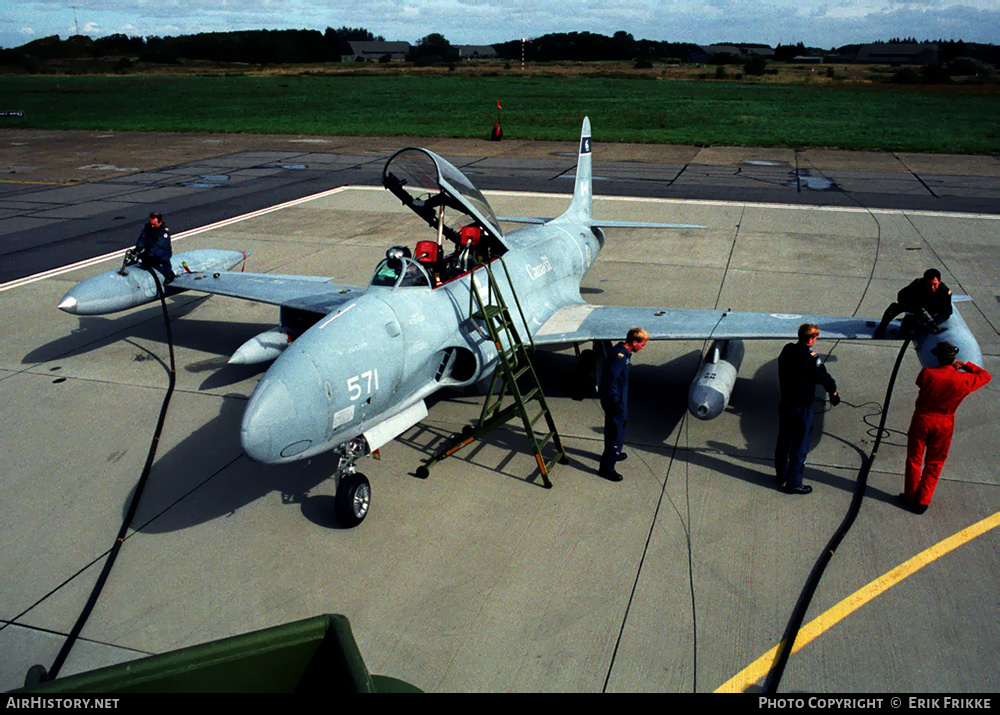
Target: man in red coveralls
942 390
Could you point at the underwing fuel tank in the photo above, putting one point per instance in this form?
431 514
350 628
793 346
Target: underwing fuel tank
262 348
710 391
117 290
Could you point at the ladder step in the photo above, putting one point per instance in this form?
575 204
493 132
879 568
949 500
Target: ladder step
545 440
552 462
520 371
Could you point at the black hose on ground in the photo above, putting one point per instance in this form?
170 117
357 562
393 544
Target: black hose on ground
799 614
133 505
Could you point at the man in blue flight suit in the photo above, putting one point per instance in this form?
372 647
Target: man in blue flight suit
613 391
799 371
153 247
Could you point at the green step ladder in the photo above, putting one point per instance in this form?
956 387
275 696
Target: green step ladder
514 377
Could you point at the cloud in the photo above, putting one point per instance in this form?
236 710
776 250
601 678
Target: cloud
821 23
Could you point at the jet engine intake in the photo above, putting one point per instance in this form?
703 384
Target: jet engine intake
713 385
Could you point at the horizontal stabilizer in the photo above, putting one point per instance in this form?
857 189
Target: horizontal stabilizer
602 224
643 224
524 219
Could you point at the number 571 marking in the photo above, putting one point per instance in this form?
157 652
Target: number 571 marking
365 383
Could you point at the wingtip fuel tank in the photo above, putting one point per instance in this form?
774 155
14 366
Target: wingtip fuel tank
955 331
113 291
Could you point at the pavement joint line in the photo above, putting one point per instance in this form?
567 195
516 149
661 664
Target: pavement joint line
61 634
832 616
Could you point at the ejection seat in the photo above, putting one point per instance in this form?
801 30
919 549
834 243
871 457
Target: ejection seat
427 254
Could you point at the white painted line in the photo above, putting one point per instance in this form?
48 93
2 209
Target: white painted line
177 237
751 204
741 204
531 194
336 315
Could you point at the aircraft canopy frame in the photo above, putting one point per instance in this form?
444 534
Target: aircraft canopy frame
400 273
424 182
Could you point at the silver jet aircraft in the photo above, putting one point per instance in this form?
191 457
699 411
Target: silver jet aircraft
353 365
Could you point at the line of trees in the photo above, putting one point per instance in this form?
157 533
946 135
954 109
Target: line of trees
589 46
309 46
250 46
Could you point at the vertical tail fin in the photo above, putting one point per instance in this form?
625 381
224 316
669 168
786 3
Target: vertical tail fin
580 208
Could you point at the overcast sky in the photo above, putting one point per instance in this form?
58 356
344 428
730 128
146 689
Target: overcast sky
817 23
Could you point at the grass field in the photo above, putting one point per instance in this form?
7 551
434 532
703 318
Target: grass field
649 109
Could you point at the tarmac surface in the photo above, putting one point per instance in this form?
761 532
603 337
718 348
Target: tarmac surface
681 578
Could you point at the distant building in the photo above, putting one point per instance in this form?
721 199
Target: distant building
746 51
373 51
903 53
713 50
807 60
476 52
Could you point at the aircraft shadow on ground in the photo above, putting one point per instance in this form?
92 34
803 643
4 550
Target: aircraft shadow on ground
658 404
653 416
179 494
96 332
755 400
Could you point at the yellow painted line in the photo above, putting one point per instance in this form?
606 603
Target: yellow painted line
43 183
815 628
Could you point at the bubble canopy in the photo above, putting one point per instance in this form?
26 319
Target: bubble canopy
428 184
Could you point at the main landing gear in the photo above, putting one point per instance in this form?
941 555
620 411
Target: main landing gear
354 492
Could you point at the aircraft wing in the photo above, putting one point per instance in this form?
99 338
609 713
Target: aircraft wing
582 322
313 293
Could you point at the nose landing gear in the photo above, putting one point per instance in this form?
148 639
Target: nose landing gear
354 497
354 493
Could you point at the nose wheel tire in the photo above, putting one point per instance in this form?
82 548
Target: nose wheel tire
353 499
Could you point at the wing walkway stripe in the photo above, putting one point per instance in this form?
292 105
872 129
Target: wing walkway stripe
815 628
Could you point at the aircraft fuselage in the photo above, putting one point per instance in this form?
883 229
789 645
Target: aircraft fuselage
385 351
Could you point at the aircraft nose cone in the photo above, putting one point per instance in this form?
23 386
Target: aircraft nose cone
279 425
